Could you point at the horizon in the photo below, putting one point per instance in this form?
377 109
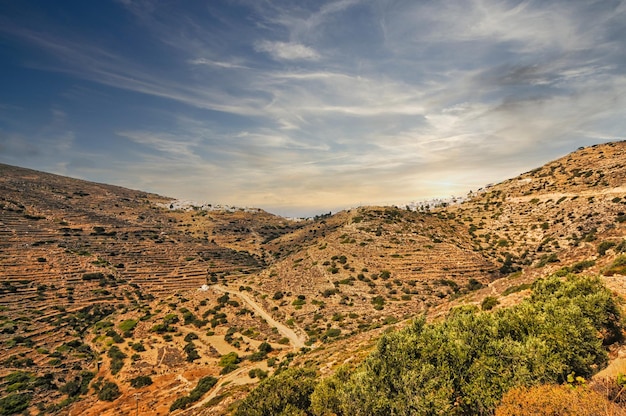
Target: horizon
304 109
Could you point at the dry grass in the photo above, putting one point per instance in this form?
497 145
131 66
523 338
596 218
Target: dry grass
557 400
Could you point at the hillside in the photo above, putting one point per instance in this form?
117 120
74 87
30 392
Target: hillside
101 283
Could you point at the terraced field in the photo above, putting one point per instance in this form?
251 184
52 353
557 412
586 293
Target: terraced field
102 285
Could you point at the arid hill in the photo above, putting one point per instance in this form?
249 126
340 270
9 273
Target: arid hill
104 288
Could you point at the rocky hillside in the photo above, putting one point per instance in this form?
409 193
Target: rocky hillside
104 288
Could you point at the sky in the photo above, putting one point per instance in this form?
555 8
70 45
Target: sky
305 107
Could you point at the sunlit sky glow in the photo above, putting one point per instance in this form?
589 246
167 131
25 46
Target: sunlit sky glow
302 107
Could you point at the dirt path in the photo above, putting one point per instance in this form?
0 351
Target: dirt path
556 196
233 377
239 376
297 341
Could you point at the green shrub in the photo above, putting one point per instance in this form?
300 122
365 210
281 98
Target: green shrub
18 380
117 359
191 351
582 265
229 359
93 276
15 403
515 289
298 302
474 284
463 365
190 337
141 381
257 372
205 384
617 267
109 392
331 333
128 325
265 347
138 346
287 393
604 246
489 303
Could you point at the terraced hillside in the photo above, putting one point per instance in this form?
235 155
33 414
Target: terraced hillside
77 258
115 301
367 268
569 211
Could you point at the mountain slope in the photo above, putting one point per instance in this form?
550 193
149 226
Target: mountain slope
87 270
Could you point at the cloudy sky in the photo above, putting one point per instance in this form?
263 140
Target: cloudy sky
302 107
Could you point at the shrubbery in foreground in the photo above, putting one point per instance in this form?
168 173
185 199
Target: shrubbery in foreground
465 364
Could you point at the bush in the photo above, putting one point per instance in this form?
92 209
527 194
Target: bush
128 325
331 333
329 292
141 381
286 393
516 288
117 359
205 384
617 267
191 336
298 302
71 388
265 347
86 377
229 359
192 353
181 403
14 403
257 372
474 284
489 303
229 369
604 246
463 365
93 276
109 392
138 346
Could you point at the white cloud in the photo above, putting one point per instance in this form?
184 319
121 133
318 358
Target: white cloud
170 145
361 103
287 50
219 64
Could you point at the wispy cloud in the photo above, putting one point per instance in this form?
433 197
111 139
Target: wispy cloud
209 62
331 104
287 51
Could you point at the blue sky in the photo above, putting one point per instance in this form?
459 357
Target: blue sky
301 107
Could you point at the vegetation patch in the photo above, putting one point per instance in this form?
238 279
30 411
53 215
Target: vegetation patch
109 392
205 384
617 267
465 364
141 381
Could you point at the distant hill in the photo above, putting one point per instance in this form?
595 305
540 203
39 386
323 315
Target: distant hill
101 284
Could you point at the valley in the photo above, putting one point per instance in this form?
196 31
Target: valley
101 284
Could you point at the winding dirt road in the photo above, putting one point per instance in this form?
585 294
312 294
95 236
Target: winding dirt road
297 341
